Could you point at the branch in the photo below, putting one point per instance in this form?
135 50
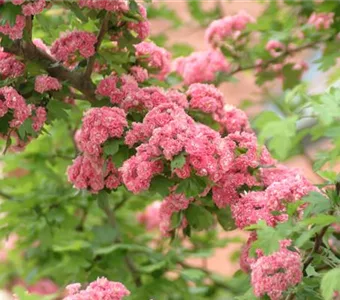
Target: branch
100 37
128 261
309 259
5 195
30 52
278 58
316 247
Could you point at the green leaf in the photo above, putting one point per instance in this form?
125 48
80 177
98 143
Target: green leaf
111 147
56 109
119 157
176 220
161 185
320 219
103 200
125 247
193 274
26 128
178 161
330 283
8 13
267 238
310 271
317 203
225 219
291 77
181 49
198 217
192 186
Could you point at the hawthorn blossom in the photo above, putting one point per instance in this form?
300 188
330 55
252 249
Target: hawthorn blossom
321 20
39 118
109 5
10 99
142 28
139 73
44 83
102 289
14 32
275 273
74 42
33 8
156 57
10 67
99 125
245 259
275 48
201 66
228 27
150 217
7 245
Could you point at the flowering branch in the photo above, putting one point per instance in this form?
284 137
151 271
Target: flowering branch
77 80
100 37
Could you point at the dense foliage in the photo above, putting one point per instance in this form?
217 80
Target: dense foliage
120 164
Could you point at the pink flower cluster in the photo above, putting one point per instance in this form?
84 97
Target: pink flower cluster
44 83
43 287
39 118
139 73
130 97
275 273
93 173
228 27
7 245
150 217
109 5
201 66
167 131
99 125
10 67
170 205
34 8
90 170
283 185
74 42
156 57
208 99
321 20
142 28
14 32
10 99
100 289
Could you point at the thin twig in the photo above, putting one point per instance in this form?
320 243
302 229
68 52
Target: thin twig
100 37
276 59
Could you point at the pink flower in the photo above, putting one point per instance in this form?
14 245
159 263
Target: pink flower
93 173
14 32
44 83
39 118
101 289
201 66
142 28
155 56
245 259
10 67
10 99
228 27
275 273
81 42
321 20
139 73
150 217
99 125
43 287
43 47
33 8
109 5
275 48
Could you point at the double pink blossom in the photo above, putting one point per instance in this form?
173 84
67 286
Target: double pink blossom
102 289
44 83
201 66
321 20
10 67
